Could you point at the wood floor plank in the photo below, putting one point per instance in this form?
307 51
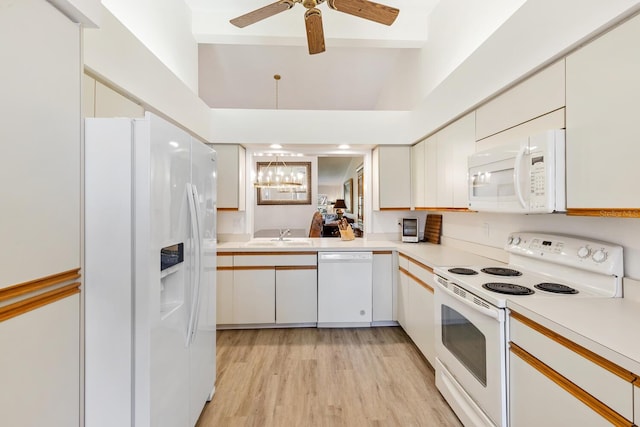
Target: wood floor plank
323 377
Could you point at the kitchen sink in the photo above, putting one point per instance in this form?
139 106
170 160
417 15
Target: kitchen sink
274 243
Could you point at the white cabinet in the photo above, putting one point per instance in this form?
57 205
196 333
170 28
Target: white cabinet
224 289
636 403
40 193
296 295
254 296
40 366
257 288
99 100
383 288
418 174
391 177
416 306
40 133
536 96
603 89
445 163
573 384
231 176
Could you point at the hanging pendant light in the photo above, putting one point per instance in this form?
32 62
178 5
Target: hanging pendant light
278 175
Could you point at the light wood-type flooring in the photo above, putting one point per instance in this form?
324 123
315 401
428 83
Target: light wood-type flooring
323 377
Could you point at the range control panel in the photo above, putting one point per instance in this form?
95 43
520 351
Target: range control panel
593 255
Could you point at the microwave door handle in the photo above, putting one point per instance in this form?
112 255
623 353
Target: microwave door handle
516 175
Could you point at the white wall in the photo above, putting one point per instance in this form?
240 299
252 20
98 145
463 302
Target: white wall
309 127
471 227
164 26
114 56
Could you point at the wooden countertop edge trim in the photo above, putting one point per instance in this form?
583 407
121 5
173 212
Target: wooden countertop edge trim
576 348
38 284
382 252
259 252
398 208
16 309
228 209
267 267
607 413
417 279
444 209
605 212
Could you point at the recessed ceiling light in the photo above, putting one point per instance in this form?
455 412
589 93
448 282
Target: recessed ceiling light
275 146
344 147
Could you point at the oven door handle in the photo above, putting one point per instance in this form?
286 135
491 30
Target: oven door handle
493 312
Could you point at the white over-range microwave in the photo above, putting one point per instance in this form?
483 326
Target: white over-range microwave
524 176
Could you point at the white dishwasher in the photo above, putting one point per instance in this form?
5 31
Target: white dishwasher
344 289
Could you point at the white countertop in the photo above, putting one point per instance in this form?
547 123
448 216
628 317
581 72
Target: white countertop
606 326
428 253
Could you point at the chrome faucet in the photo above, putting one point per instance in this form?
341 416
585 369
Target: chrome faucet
283 233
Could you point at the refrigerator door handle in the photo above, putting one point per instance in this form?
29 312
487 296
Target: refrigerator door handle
195 285
198 284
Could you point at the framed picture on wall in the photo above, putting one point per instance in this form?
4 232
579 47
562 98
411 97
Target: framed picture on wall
281 183
348 195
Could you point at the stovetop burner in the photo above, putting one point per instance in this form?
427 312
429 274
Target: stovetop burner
508 288
501 271
463 271
556 288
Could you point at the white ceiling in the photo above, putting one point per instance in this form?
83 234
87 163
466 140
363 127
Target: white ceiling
237 65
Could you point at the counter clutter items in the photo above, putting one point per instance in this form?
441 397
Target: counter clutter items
346 232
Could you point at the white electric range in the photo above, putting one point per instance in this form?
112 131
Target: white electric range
470 304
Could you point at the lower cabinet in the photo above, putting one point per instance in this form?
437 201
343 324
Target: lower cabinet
383 288
296 295
574 385
254 296
257 288
415 304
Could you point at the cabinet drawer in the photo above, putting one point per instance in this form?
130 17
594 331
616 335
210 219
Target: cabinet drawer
604 380
224 260
422 272
274 259
403 261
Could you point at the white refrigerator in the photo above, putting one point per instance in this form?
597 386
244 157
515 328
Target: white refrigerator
150 256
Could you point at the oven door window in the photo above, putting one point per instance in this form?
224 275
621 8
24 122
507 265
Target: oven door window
465 342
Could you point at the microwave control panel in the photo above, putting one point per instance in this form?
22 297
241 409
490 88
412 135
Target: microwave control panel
538 191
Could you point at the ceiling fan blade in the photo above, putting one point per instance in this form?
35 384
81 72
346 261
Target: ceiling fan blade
366 9
315 33
262 13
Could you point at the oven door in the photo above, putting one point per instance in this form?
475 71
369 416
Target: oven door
470 353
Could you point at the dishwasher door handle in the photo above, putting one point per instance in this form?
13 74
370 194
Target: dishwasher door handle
345 256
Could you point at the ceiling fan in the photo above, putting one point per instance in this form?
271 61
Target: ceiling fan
313 18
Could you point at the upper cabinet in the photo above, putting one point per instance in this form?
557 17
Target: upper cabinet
391 177
231 176
603 93
540 94
440 175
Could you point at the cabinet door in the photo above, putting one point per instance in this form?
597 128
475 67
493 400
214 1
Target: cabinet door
417 174
431 171
254 296
40 133
231 176
394 177
636 404
296 295
40 366
382 287
602 111
455 143
535 400
403 301
224 297
421 319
